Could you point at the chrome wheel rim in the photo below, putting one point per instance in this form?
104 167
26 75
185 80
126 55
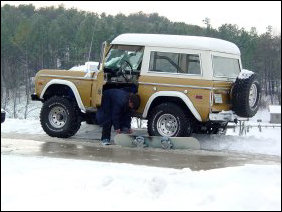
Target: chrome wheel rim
167 125
253 95
58 117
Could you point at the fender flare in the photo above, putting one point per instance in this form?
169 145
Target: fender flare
71 85
177 94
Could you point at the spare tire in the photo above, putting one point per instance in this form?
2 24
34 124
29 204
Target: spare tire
246 94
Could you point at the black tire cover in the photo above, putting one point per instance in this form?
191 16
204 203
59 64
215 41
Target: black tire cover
240 96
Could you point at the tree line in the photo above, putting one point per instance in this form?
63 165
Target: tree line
49 37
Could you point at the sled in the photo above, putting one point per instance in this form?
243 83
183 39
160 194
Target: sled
145 141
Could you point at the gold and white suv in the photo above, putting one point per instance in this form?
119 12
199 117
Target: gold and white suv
186 84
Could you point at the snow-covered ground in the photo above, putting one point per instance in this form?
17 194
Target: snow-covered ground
268 141
43 183
40 183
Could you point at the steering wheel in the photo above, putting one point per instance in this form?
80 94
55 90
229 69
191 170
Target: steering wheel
122 69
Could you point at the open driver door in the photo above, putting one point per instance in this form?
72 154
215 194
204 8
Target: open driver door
98 78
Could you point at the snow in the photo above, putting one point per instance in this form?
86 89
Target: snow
275 109
40 183
24 126
44 183
263 115
177 41
87 67
268 141
245 74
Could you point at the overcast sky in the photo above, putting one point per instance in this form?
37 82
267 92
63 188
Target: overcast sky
247 14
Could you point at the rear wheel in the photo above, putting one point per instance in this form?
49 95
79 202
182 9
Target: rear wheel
60 117
168 120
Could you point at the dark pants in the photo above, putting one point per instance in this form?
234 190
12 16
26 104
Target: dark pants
106 131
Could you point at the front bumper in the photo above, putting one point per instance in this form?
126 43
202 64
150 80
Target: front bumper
225 116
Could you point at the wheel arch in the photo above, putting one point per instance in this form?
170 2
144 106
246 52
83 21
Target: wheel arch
171 96
63 87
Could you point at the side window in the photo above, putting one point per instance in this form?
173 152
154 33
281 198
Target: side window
193 64
164 62
175 63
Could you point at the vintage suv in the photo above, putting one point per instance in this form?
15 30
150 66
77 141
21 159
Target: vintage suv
186 84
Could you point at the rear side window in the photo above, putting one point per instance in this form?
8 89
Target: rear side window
175 63
225 67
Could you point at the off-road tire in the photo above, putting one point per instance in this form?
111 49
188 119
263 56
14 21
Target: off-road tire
72 118
240 96
183 121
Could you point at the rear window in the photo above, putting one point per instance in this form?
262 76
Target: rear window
225 67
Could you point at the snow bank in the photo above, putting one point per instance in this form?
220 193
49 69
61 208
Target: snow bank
245 74
262 115
275 109
39 183
266 142
23 126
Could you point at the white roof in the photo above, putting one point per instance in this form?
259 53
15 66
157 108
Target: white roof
275 109
177 41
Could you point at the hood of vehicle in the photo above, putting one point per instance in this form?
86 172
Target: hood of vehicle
59 73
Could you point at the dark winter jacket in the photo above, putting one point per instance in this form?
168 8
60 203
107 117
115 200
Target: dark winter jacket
115 108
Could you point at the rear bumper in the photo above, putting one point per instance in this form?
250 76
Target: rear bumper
34 97
225 116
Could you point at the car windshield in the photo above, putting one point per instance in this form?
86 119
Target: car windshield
119 55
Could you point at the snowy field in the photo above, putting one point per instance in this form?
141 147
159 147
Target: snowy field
39 183
43 183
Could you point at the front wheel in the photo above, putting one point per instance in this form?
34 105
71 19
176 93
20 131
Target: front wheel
59 117
168 120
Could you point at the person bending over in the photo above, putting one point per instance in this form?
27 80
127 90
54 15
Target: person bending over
116 110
